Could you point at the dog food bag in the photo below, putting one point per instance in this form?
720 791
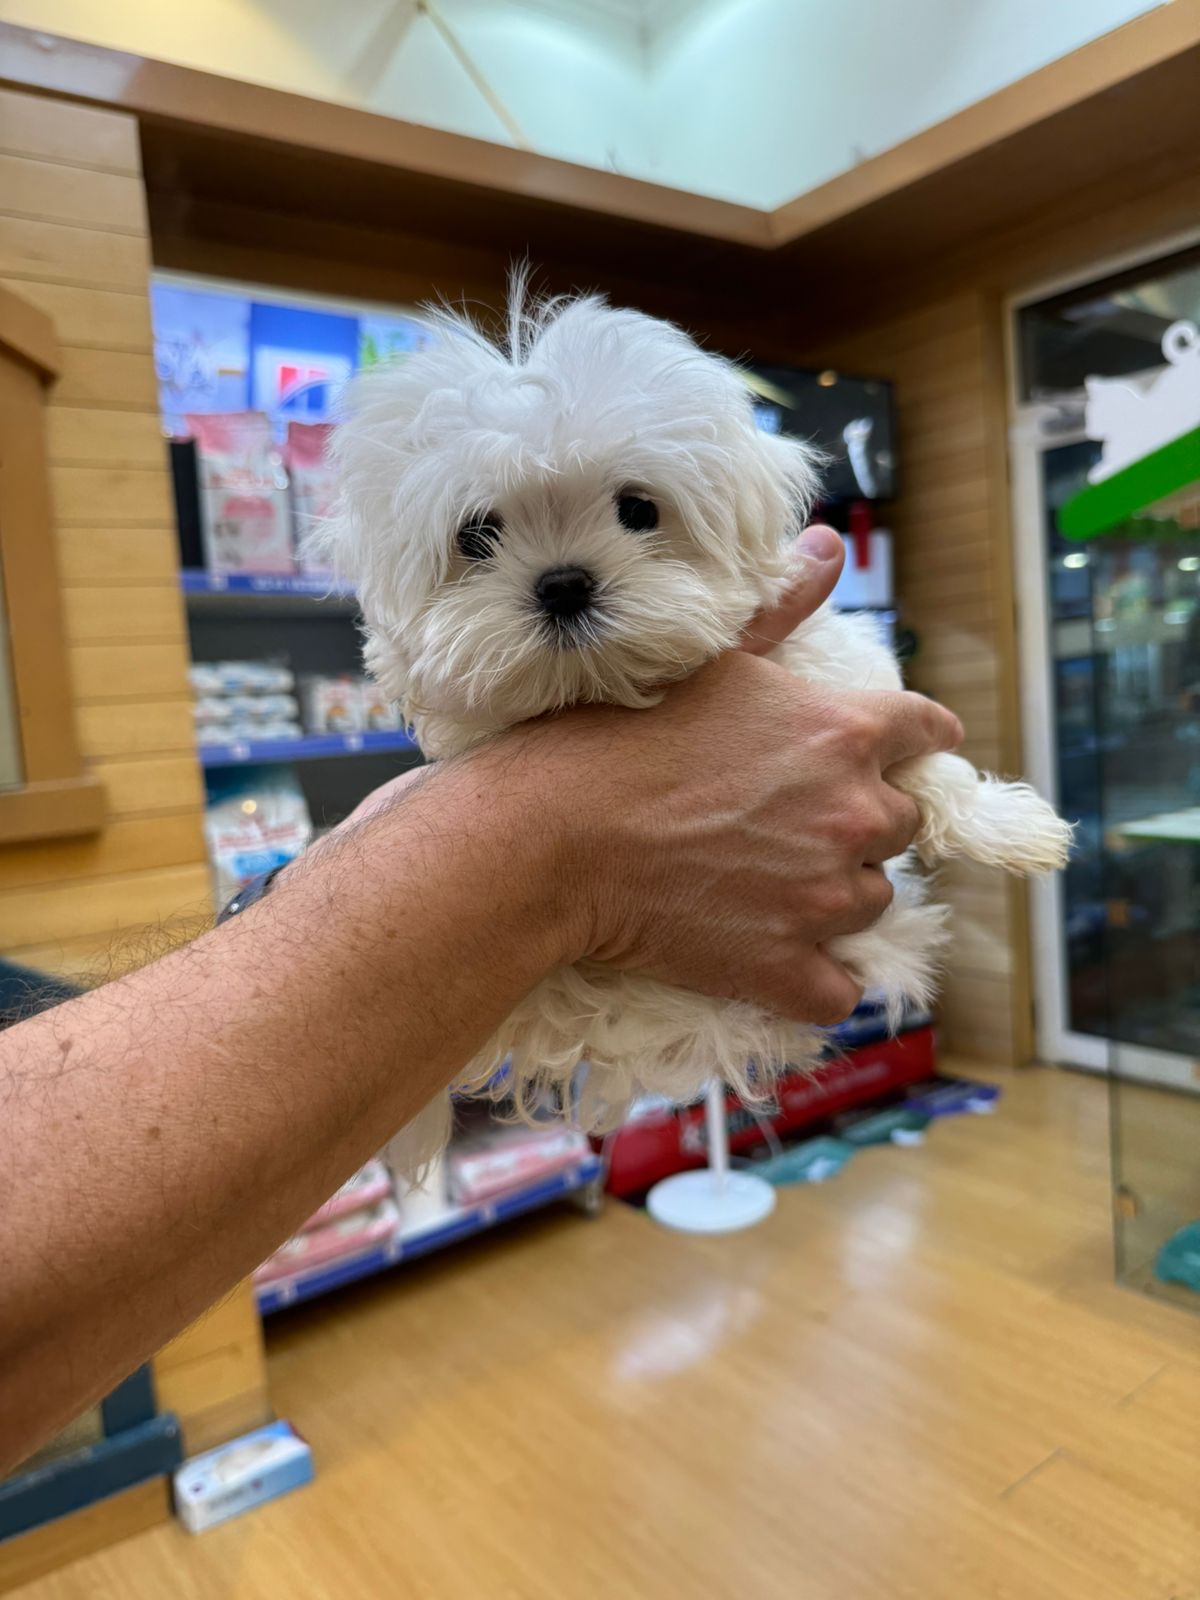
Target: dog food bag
257 818
313 487
244 518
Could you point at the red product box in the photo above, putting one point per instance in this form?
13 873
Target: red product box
653 1147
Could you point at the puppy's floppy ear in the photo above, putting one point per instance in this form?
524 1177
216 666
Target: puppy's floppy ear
775 488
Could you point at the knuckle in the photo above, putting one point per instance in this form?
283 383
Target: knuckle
908 815
834 1005
832 901
859 729
882 893
856 823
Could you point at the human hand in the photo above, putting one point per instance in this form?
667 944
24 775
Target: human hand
719 839
723 836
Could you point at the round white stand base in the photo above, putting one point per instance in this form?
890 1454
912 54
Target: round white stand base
702 1202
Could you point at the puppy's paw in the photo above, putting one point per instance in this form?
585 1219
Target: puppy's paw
1005 825
987 819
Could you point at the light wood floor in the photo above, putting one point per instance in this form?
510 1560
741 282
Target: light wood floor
915 1381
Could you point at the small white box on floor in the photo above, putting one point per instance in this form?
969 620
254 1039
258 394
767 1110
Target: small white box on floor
237 1476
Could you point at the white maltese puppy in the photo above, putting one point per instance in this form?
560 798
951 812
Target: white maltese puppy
586 512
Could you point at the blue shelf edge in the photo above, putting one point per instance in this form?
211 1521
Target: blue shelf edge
149 1449
194 580
462 1225
311 747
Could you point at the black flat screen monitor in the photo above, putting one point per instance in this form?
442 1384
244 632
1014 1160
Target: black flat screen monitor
849 418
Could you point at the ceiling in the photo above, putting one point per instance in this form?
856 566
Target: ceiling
748 101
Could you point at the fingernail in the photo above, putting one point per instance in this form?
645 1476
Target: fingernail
820 543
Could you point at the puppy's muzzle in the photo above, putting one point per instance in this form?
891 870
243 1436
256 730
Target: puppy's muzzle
565 592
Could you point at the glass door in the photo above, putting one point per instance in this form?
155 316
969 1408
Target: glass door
1110 627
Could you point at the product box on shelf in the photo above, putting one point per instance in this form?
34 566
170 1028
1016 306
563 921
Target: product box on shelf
503 1156
332 705
343 1236
241 677
371 1183
379 714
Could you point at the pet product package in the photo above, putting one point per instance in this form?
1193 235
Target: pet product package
256 819
244 517
241 677
501 1157
332 705
379 714
312 483
344 1236
370 1183
235 1477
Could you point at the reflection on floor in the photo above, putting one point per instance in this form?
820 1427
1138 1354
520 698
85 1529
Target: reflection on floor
918 1380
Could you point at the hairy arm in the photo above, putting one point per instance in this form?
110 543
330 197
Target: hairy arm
164 1133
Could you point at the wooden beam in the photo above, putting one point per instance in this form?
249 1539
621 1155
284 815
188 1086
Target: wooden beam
159 92
1129 96
60 808
1156 38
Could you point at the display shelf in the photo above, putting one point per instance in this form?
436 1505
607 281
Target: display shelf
275 594
458 1222
193 580
311 747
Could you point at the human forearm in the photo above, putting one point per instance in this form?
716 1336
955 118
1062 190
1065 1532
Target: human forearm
165 1133
204 1106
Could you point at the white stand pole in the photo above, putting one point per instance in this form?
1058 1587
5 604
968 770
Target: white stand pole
714 1200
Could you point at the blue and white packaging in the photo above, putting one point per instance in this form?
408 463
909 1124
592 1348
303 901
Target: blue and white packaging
235 1477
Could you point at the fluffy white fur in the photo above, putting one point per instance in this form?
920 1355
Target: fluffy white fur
580 404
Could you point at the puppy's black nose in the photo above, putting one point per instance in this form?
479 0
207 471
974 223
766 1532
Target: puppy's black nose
565 591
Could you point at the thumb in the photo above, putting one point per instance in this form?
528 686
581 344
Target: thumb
820 556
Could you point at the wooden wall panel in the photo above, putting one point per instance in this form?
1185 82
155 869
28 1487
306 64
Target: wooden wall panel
74 241
953 547
92 319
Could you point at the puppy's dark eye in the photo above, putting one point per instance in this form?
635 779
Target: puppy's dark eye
478 538
636 512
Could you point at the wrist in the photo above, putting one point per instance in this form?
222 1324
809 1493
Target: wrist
487 826
531 816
